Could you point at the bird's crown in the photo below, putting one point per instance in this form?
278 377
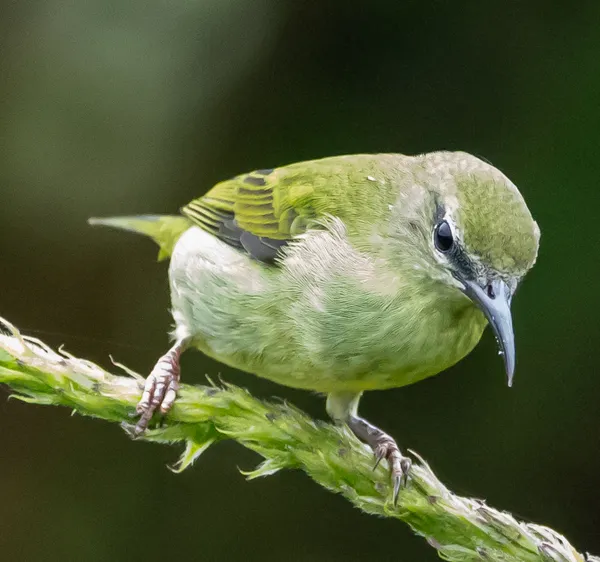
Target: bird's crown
485 211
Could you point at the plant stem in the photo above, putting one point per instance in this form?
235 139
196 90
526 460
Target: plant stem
460 529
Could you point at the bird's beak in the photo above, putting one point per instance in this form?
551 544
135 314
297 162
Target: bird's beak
494 301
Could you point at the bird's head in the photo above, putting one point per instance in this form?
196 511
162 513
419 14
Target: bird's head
477 234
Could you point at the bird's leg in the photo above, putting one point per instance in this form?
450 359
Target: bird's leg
161 386
343 406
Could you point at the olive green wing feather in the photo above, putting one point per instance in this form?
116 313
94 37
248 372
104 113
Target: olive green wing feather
259 212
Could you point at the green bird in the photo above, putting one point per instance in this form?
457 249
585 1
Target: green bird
342 275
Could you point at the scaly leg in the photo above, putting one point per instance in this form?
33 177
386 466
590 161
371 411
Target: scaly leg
343 407
161 386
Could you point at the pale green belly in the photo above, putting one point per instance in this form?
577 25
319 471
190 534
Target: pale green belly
364 351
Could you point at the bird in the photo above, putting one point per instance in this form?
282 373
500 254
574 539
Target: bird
343 275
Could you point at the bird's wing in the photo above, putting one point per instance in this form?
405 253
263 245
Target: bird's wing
258 212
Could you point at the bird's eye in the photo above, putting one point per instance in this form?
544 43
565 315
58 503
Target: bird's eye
443 237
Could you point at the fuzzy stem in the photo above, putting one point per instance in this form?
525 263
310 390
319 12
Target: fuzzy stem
460 529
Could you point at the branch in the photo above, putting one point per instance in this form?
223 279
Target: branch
460 529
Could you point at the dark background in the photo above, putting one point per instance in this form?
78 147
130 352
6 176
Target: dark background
121 107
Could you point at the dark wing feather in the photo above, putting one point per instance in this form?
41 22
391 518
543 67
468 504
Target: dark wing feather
259 212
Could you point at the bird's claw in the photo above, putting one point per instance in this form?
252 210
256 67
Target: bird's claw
160 391
386 448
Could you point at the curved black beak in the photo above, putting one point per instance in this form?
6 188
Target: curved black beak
494 301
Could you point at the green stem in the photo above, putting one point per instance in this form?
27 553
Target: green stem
460 529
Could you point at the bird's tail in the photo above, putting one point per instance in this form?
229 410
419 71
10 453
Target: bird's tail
165 230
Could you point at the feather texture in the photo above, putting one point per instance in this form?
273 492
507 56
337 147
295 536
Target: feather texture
359 298
263 210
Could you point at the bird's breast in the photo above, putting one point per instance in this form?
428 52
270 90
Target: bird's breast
368 340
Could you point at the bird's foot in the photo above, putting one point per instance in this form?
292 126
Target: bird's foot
387 448
160 389
384 447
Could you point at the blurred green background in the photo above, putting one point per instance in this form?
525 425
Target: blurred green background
119 107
